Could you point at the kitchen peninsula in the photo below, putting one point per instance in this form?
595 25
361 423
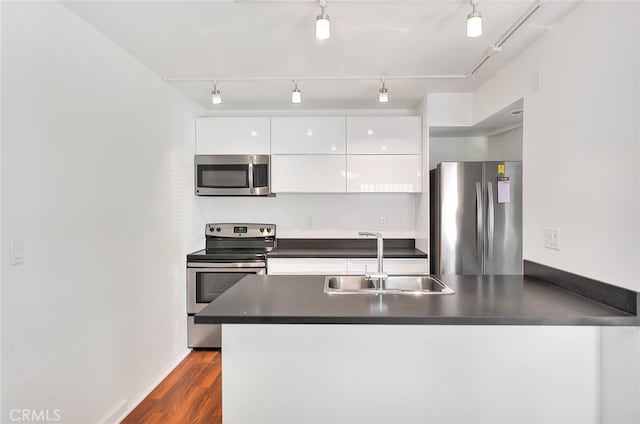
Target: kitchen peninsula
502 349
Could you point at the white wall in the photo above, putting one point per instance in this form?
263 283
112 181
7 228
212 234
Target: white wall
450 109
453 149
332 215
97 180
1 244
506 146
581 151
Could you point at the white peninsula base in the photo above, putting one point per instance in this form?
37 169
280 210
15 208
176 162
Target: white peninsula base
410 374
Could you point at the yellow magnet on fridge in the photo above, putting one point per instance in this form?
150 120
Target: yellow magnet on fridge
501 168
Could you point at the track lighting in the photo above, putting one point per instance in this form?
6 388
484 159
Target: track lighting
383 94
474 21
216 97
296 95
323 25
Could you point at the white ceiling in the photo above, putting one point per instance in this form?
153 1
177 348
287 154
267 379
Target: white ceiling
275 38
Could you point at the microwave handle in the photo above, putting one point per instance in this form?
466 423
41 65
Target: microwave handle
251 174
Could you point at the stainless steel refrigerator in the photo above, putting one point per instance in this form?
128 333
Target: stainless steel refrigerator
476 218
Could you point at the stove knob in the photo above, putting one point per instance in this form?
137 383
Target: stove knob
212 229
268 230
262 230
218 229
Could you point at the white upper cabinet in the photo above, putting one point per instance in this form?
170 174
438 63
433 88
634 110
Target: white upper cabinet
232 136
384 173
308 174
308 135
384 135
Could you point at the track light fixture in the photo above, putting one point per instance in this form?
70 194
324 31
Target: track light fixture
216 97
296 95
323 25
383 93
474 21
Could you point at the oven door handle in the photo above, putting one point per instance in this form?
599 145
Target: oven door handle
231 270
236 265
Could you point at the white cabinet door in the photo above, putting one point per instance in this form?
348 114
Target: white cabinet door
308 174
342 266
384 173
384 135
233 136
392 266
308 135
306 266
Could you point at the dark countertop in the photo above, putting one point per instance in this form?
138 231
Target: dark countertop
479 300
344 248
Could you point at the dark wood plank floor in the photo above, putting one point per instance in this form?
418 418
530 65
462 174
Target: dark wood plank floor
191 394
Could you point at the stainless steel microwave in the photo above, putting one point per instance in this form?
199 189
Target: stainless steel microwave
232 175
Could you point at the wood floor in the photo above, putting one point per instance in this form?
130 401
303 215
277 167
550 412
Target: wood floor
191 394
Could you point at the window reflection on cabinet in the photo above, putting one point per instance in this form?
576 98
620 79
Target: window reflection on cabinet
384 173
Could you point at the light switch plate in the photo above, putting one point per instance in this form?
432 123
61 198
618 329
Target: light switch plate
552 238
383 221
16 250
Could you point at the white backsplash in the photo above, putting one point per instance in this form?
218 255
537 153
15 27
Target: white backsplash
331 215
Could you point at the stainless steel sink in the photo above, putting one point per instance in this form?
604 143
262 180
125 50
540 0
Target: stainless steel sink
394 284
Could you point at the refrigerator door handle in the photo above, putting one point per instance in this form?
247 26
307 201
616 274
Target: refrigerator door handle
490 220
479 220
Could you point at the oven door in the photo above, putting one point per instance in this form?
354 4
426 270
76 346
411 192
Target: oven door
232 175
205 282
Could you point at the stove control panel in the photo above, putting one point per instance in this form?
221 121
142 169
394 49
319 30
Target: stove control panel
233 230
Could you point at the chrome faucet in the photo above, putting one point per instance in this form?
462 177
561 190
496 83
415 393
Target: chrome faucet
380 275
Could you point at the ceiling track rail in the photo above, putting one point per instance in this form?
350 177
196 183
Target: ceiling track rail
497 46
320 78
316 1
494 48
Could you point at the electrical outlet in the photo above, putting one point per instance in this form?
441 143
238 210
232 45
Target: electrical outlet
16 250
309 222
382 223
552 238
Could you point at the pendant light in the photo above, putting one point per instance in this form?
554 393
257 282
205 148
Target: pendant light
383 94
296 95
216 97
474 21
323 25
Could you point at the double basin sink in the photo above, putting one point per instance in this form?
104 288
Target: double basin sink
393 284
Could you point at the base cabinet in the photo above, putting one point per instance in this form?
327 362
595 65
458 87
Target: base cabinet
306 266
343 266
336 374
392 266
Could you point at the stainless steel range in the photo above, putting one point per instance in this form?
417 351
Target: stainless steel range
232 252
